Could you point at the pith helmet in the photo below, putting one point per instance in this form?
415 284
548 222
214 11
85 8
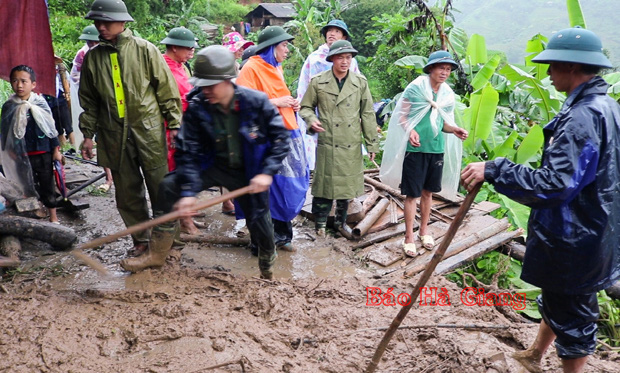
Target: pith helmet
181 37
272 35
247 53
439 57
576 45
336 23
340 47
90 33
213 65
109 11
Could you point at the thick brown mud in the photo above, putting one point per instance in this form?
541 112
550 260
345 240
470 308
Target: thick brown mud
209 308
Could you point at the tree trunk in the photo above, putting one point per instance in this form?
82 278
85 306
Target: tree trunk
54 234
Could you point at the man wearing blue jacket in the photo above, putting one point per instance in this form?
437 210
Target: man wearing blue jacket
572 245
232 137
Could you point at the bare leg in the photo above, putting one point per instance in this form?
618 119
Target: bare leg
188 226
72 139
53 216
425 211
410 208
574 365
108 177
531 357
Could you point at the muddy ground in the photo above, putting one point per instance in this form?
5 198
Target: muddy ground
210 308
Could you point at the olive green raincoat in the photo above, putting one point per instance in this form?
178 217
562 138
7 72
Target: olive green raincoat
151 95
347 117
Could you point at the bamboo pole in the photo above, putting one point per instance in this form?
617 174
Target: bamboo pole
216 240
78 252
371 218
370 200
458 219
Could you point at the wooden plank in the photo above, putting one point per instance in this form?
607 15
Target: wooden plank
387 254
456 247
486 206
75 178
354 213
380 236
475 251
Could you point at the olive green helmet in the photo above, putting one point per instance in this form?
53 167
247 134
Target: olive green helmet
340 47
109 11
90 33
213 65
272 35
181 37
575 45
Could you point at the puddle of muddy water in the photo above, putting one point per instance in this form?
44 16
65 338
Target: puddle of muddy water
313 259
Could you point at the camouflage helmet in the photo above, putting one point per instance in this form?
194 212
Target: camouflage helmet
90 33
213 65
576 45
180 36
109 11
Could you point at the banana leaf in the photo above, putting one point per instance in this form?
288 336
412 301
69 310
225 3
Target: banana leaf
481 114
531 145
458 41
482 77
534 46
614 85
506 149
548 106
575 15
476 50
412 62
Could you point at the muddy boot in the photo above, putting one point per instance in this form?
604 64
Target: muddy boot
155 256
340 220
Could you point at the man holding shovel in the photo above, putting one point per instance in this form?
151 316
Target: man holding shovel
231 136
572 246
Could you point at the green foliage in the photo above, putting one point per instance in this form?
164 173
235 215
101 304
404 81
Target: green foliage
609 319
357 17
498 270
575 15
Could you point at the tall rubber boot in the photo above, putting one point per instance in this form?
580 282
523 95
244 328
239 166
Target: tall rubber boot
155 256
340 219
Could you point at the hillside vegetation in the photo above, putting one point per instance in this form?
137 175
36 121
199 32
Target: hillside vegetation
508 24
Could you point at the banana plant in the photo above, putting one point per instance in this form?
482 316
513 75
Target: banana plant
575 15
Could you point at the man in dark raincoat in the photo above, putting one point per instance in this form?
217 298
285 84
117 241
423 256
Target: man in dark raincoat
231 136
572 246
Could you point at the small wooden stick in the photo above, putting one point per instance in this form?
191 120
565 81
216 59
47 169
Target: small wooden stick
162 219
437 256
95 264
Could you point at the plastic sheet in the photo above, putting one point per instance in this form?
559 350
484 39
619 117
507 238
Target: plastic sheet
13 153
410 109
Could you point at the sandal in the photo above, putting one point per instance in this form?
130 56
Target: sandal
427 241
410 249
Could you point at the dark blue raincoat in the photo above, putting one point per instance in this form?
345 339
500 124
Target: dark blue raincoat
573 244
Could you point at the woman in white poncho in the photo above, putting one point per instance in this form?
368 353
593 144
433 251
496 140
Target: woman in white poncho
414 149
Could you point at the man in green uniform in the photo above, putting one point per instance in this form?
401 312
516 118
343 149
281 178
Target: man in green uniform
346 114
127 91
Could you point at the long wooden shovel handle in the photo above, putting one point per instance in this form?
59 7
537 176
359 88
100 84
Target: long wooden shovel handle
162 219
430 268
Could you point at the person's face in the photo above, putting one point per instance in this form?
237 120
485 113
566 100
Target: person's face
22 84
342 62
281 51
239 53
218 93
91 43
440 72
560 73
109 30
182 54
333 34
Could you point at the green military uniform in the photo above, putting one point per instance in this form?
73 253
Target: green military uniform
347 116
126 111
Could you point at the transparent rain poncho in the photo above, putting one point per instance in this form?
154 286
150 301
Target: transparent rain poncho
411 108
13 153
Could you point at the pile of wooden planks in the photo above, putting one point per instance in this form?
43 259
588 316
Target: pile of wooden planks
379 229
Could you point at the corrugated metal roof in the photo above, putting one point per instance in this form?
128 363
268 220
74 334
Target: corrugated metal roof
279 10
